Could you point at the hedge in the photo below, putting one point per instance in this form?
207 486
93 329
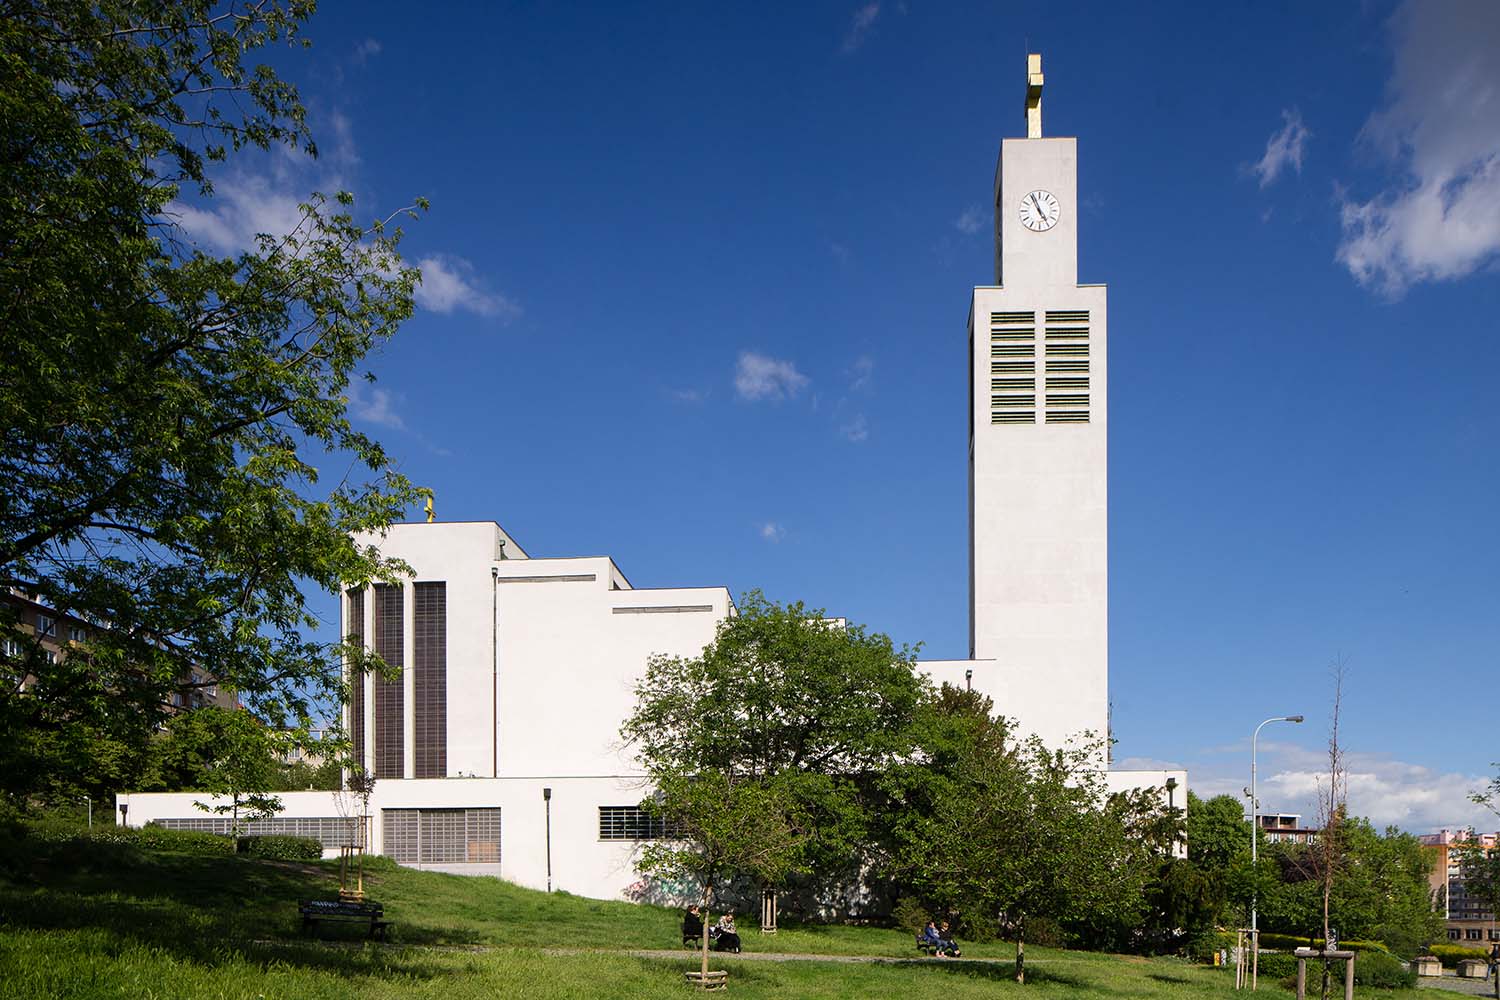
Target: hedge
153 838
1371 968
1452 954
1290 942
278 847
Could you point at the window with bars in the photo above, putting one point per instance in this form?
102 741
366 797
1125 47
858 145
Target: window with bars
442 836
430 680
390 696
355 629
332 831
634 823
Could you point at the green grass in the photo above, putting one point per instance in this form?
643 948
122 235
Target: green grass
115 921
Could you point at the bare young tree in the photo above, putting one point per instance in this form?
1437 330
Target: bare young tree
1325 858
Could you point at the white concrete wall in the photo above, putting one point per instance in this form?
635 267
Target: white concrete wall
581 862
568 647
1038 492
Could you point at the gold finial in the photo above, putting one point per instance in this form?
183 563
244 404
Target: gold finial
1034 95
430 515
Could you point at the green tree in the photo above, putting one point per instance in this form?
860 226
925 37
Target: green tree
225 753
723 826
1018 832
163 408
1218 845
785 699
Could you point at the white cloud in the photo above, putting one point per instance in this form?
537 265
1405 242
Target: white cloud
757 376
1284 149
772 532
1440 127
856 429
688 395
366 49
971 221
448 286
860 25
243 208
1387 791
840 253
374 405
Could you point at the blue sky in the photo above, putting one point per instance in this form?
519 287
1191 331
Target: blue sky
695 283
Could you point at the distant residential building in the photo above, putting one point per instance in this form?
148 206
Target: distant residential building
1285 828
59 634
1469 920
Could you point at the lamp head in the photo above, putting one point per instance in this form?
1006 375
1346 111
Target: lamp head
1294 718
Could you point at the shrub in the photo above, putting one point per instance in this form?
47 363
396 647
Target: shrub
1203 946
909 914
1382 970
281 848
158 838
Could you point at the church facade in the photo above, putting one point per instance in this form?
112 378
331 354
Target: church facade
497 750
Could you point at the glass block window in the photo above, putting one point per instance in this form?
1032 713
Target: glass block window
390 696
442 836
332 831
430 680
354 628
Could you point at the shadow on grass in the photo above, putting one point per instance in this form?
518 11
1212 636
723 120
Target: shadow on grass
993 971
195 907
1162 977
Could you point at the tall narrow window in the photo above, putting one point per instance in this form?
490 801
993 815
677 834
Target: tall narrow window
390 697
355 630
430 680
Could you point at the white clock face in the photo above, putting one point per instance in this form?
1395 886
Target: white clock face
1039 211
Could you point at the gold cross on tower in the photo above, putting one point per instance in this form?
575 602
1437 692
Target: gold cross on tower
1034 95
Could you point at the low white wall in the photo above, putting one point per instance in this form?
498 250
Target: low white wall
581 862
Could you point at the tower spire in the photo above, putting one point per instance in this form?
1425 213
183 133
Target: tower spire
1034 95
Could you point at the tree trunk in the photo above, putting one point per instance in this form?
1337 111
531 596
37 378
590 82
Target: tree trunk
1021 952
707 894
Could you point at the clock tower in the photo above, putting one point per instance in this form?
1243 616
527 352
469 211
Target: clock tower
1038 510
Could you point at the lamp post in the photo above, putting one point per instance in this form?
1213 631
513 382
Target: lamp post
547 802
1255 851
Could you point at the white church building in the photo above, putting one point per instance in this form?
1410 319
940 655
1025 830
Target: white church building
497 750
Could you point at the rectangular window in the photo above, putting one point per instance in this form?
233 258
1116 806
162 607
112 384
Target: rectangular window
50 655
1453 934
1473 934
12 648
430 680
332 832
633 823
390 696
46 625
77 634
355 630
442 836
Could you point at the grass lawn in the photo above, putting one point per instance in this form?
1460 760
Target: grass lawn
101 920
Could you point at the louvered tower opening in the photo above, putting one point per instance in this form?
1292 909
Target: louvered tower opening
1066 340
1012 367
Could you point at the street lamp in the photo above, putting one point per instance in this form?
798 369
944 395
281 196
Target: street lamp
1255 852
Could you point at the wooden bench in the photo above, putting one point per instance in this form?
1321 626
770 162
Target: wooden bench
716 979
925 946
314 910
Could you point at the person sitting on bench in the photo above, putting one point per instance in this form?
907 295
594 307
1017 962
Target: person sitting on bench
727 939
928 940
692 925
946 944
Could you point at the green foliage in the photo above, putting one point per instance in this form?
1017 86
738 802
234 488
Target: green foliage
1451 954
1021 832
163 408
48 830
786 709
1382 971
225 753
1290 942
909 914
280 848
